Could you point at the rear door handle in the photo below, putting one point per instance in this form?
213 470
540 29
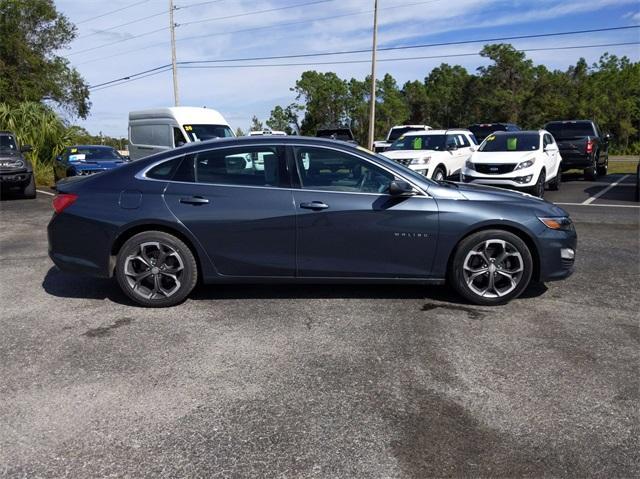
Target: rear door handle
314 205
194 200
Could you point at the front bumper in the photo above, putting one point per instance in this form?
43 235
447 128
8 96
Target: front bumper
557 250
515 179
15 179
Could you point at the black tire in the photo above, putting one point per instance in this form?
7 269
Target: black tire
603 169
538 188
467 251
554 185
439 174
179 263
591 173
29 191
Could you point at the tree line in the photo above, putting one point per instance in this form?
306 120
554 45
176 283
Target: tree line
510 89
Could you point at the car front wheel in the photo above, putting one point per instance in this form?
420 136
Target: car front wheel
156 269
491 267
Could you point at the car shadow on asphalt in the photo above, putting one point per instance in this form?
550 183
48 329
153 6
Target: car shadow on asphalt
64 285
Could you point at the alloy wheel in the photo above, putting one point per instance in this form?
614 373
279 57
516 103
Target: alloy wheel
493 268
154 271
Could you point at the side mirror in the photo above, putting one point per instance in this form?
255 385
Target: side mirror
401 188
608 136
59 158
26 148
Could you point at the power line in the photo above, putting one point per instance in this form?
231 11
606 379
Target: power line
427 57
407 47
118 41
129 77
164 68
184 7
110 12
253 29
257 12
102 30
134 79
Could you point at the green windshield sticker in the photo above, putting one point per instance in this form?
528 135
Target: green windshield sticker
417 143
512 144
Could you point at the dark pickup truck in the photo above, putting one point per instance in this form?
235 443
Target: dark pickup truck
582 145
16 172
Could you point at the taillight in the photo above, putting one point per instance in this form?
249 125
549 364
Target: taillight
63 200
589 146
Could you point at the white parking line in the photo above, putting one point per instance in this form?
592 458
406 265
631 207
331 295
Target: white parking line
588 201
46 193
589 204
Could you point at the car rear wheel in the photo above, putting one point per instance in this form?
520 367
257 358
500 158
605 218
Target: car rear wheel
491 267
554 184
156 269
538 188
603 169
591 173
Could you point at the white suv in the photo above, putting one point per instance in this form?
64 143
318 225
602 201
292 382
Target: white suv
526 160
395 133
437 154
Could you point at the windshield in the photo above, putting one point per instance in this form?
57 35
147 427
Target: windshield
482 131
420 142
570 130
511 142
7 143
396 133
207 132
93 154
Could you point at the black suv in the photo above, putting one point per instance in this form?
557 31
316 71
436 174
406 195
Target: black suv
483 130
582 145
16 172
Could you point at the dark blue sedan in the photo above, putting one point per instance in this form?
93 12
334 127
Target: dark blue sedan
296 209
83 160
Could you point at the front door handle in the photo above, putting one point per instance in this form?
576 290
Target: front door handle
314 205
194 200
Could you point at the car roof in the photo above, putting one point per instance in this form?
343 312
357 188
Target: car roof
436 132
96 147
264 139
519 132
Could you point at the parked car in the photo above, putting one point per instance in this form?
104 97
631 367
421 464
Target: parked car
160 129
16 171
83 160
395 133
319 211
267 132
436 154
638 182
582 146
342 134
482 130
525 160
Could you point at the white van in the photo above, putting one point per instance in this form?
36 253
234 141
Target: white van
160 129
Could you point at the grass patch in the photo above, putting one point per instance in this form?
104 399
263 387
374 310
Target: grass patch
622 167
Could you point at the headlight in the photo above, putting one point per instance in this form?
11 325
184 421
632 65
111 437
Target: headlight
421 161
469 165
558 223
525 164
11 163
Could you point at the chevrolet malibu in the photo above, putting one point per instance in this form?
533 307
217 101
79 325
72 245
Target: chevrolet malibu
316 210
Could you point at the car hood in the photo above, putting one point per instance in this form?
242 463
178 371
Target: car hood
9 154
402 154
473 192
501 157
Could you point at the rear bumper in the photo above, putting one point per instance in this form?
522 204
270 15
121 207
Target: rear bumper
575 160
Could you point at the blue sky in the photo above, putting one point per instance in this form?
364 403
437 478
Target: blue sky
239 93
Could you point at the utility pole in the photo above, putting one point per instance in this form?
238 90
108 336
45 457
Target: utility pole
372 111
173 53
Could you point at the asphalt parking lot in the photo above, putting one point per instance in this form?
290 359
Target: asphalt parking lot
325 381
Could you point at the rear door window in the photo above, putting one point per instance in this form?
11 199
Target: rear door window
241 166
